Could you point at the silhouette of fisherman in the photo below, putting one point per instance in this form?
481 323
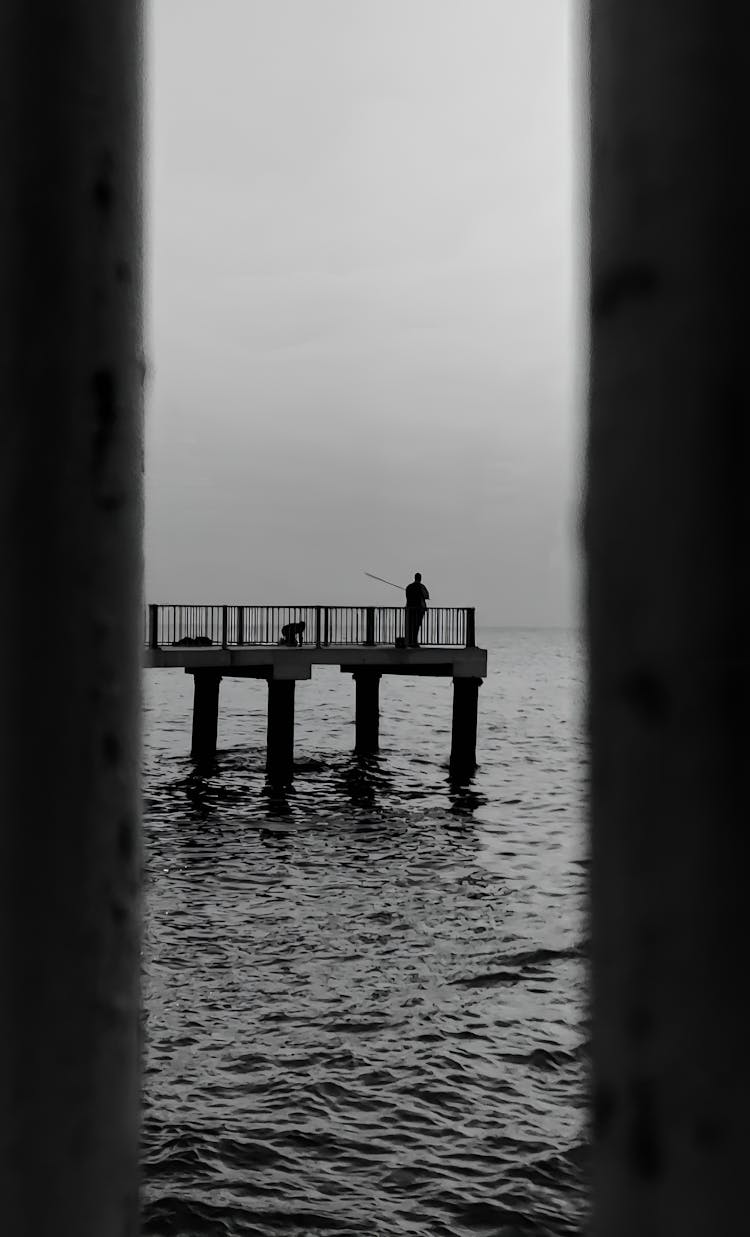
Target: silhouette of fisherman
416 605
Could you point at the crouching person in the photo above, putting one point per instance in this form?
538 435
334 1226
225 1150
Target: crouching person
290 632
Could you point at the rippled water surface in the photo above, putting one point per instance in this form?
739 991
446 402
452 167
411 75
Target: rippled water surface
365 1003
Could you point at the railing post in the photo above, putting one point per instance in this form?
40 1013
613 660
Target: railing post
224 625
317 626
370 625
471 638
325 627
153 627
240 624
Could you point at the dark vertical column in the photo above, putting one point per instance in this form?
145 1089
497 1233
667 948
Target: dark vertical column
280 745
370 625
667 531
153 627
205 714
70 564
464 729
367 710
471 633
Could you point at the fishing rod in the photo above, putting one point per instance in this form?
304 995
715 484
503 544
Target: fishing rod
382 581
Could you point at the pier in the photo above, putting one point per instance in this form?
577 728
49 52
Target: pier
281 644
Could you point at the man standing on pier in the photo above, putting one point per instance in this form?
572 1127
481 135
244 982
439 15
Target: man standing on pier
416 605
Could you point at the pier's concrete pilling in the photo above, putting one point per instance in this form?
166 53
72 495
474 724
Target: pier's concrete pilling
283 666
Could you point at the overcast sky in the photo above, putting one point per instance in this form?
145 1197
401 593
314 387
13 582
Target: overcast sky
362 253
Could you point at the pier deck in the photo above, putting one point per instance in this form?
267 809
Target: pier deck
279 662
213 642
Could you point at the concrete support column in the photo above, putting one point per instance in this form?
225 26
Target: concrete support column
205 714
464 729
70 564
667 533
280 743
367 710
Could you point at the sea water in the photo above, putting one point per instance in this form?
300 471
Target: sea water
365 1001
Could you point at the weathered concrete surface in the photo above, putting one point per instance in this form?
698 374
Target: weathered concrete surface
70 564
668 610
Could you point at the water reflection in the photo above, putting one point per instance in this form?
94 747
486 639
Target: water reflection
464 796
199 790
364 780
277 800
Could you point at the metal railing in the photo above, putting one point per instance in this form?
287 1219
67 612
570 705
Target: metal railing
324 626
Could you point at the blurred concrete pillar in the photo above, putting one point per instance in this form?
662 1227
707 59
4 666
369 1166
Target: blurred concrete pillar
667 526
70 619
